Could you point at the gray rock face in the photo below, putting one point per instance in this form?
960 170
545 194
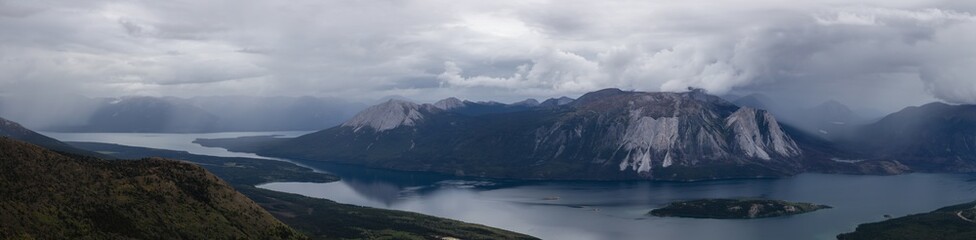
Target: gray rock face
641 131
449 103
388 115
607 134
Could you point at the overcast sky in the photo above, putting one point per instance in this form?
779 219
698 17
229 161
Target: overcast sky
885 53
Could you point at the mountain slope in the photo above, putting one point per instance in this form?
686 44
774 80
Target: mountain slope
47 195
755 100
931 137
16 131
244 113
829 120
607 134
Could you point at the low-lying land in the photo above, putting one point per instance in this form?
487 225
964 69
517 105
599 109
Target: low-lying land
318 218
949 223
735 208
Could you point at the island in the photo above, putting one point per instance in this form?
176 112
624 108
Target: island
734 208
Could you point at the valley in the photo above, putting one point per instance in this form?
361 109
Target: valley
615 209
484 120
352 192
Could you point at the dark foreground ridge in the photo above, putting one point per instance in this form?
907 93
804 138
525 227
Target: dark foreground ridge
735 208
317 218
49 195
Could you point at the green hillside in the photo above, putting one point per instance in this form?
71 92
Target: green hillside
49 195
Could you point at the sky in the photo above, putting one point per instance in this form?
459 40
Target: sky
883 54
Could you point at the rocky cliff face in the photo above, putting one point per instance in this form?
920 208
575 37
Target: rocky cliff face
607 134
639 131
388 115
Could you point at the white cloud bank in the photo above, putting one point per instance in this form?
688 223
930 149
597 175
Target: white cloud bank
496 49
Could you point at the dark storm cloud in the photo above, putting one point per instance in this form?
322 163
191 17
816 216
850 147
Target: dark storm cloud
913 50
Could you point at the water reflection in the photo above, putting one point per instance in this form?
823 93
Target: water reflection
617 210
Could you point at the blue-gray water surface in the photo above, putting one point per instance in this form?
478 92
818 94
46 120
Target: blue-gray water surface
605 210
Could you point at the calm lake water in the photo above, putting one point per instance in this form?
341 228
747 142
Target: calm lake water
605 210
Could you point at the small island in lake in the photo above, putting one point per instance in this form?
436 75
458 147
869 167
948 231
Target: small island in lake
734 208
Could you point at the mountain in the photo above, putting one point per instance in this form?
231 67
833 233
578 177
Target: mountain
16 131
58 110
49 195
555 102
606 134
755 100
179 115
147 114
933 137
829 120
482 108
243 113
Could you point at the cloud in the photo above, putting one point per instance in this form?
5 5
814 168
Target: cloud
425 50
553 69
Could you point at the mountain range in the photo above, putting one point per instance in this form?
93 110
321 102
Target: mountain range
181 115
830 120
603 135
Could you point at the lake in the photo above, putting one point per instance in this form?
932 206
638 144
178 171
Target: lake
603 210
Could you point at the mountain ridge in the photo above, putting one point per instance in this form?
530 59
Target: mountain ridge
603 135
49 195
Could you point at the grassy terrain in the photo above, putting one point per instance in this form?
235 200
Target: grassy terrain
948 223
318 218
50 195
734 208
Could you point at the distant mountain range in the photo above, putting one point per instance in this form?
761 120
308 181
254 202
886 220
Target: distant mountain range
829 120
606 134
933 137
191 115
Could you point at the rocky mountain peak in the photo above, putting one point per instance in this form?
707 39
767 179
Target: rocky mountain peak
552 102
647 130
598 95
758 134
531 102
834 109
388 115
449 103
